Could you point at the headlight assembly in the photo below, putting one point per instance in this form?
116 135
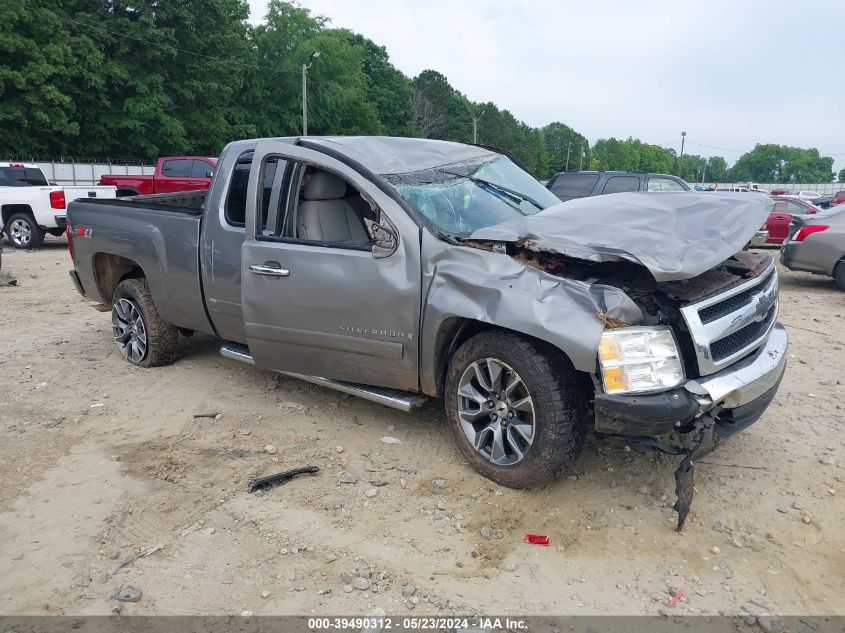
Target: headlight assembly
639 359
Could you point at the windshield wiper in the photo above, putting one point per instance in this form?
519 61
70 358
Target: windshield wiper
451 239
516 196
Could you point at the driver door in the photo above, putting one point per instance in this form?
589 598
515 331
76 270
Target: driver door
340 311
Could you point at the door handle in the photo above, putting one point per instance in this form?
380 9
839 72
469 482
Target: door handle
270 271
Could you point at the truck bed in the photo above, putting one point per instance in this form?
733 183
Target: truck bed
160 235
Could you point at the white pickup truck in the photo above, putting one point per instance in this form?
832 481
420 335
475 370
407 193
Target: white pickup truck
30 207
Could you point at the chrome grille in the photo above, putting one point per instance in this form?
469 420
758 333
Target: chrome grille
732 324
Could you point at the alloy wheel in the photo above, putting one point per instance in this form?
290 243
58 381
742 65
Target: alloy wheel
129 330
496 411
20 232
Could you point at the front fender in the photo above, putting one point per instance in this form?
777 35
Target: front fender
495 289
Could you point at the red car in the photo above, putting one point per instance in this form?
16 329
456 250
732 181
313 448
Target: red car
172 174
781 216
839 198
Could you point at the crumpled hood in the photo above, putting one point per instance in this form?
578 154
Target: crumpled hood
674 235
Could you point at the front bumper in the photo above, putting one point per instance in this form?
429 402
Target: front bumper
736 396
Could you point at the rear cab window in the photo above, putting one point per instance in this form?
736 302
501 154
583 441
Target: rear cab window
13 176
573 185
234 209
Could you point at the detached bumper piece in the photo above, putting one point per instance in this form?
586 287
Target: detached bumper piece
722 403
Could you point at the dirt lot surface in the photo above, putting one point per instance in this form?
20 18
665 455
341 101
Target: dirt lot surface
101 461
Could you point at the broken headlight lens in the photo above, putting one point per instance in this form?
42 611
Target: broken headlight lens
639 359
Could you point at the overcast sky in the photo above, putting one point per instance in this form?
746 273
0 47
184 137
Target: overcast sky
729 73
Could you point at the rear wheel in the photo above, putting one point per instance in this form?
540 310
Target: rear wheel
142 337
23 232
516 408
839 274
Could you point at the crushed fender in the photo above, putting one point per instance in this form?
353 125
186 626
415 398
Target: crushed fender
265 483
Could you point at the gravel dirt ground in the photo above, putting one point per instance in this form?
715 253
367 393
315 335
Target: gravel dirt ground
102 461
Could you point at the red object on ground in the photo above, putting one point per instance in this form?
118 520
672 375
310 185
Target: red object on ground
536 539
674 599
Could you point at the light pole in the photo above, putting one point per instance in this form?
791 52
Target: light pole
568 147
681 157
305 68
704 172
581 154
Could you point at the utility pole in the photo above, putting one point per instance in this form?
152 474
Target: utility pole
475 118
681 157
305 68
568 147
704 172
581 152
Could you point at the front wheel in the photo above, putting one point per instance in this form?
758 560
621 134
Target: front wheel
516 408
23 232
142 337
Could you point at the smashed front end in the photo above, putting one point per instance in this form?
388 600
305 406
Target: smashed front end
701 355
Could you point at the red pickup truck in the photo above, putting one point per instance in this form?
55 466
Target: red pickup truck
172 173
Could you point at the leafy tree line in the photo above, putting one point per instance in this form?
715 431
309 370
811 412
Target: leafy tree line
765 163
142 78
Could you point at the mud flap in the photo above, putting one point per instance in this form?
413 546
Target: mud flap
685 473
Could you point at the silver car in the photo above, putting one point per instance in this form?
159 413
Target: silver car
816 244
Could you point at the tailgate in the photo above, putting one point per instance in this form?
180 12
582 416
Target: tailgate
74 192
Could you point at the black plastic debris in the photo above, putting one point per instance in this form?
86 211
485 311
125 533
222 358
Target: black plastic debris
265 483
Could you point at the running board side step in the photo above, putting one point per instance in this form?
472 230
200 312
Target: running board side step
394 398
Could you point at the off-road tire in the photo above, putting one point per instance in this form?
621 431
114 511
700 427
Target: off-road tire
560 402
162 337
839 274
36 234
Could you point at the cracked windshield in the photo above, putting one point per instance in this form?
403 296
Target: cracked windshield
462 197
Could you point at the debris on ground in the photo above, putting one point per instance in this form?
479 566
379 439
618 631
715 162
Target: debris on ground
347 478
129 593
390 440
134 557
210 414
265 483
536 539
674 599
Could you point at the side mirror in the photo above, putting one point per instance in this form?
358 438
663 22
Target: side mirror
384 239
209 173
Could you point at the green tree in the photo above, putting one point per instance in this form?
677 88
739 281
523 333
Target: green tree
782 163
388 89
841 176
563 145
440 111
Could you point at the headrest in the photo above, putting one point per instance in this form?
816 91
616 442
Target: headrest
325 186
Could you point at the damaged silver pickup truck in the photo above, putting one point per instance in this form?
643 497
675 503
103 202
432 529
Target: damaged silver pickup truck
400 269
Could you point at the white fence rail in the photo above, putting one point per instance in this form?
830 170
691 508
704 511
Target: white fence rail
824 188
80 173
